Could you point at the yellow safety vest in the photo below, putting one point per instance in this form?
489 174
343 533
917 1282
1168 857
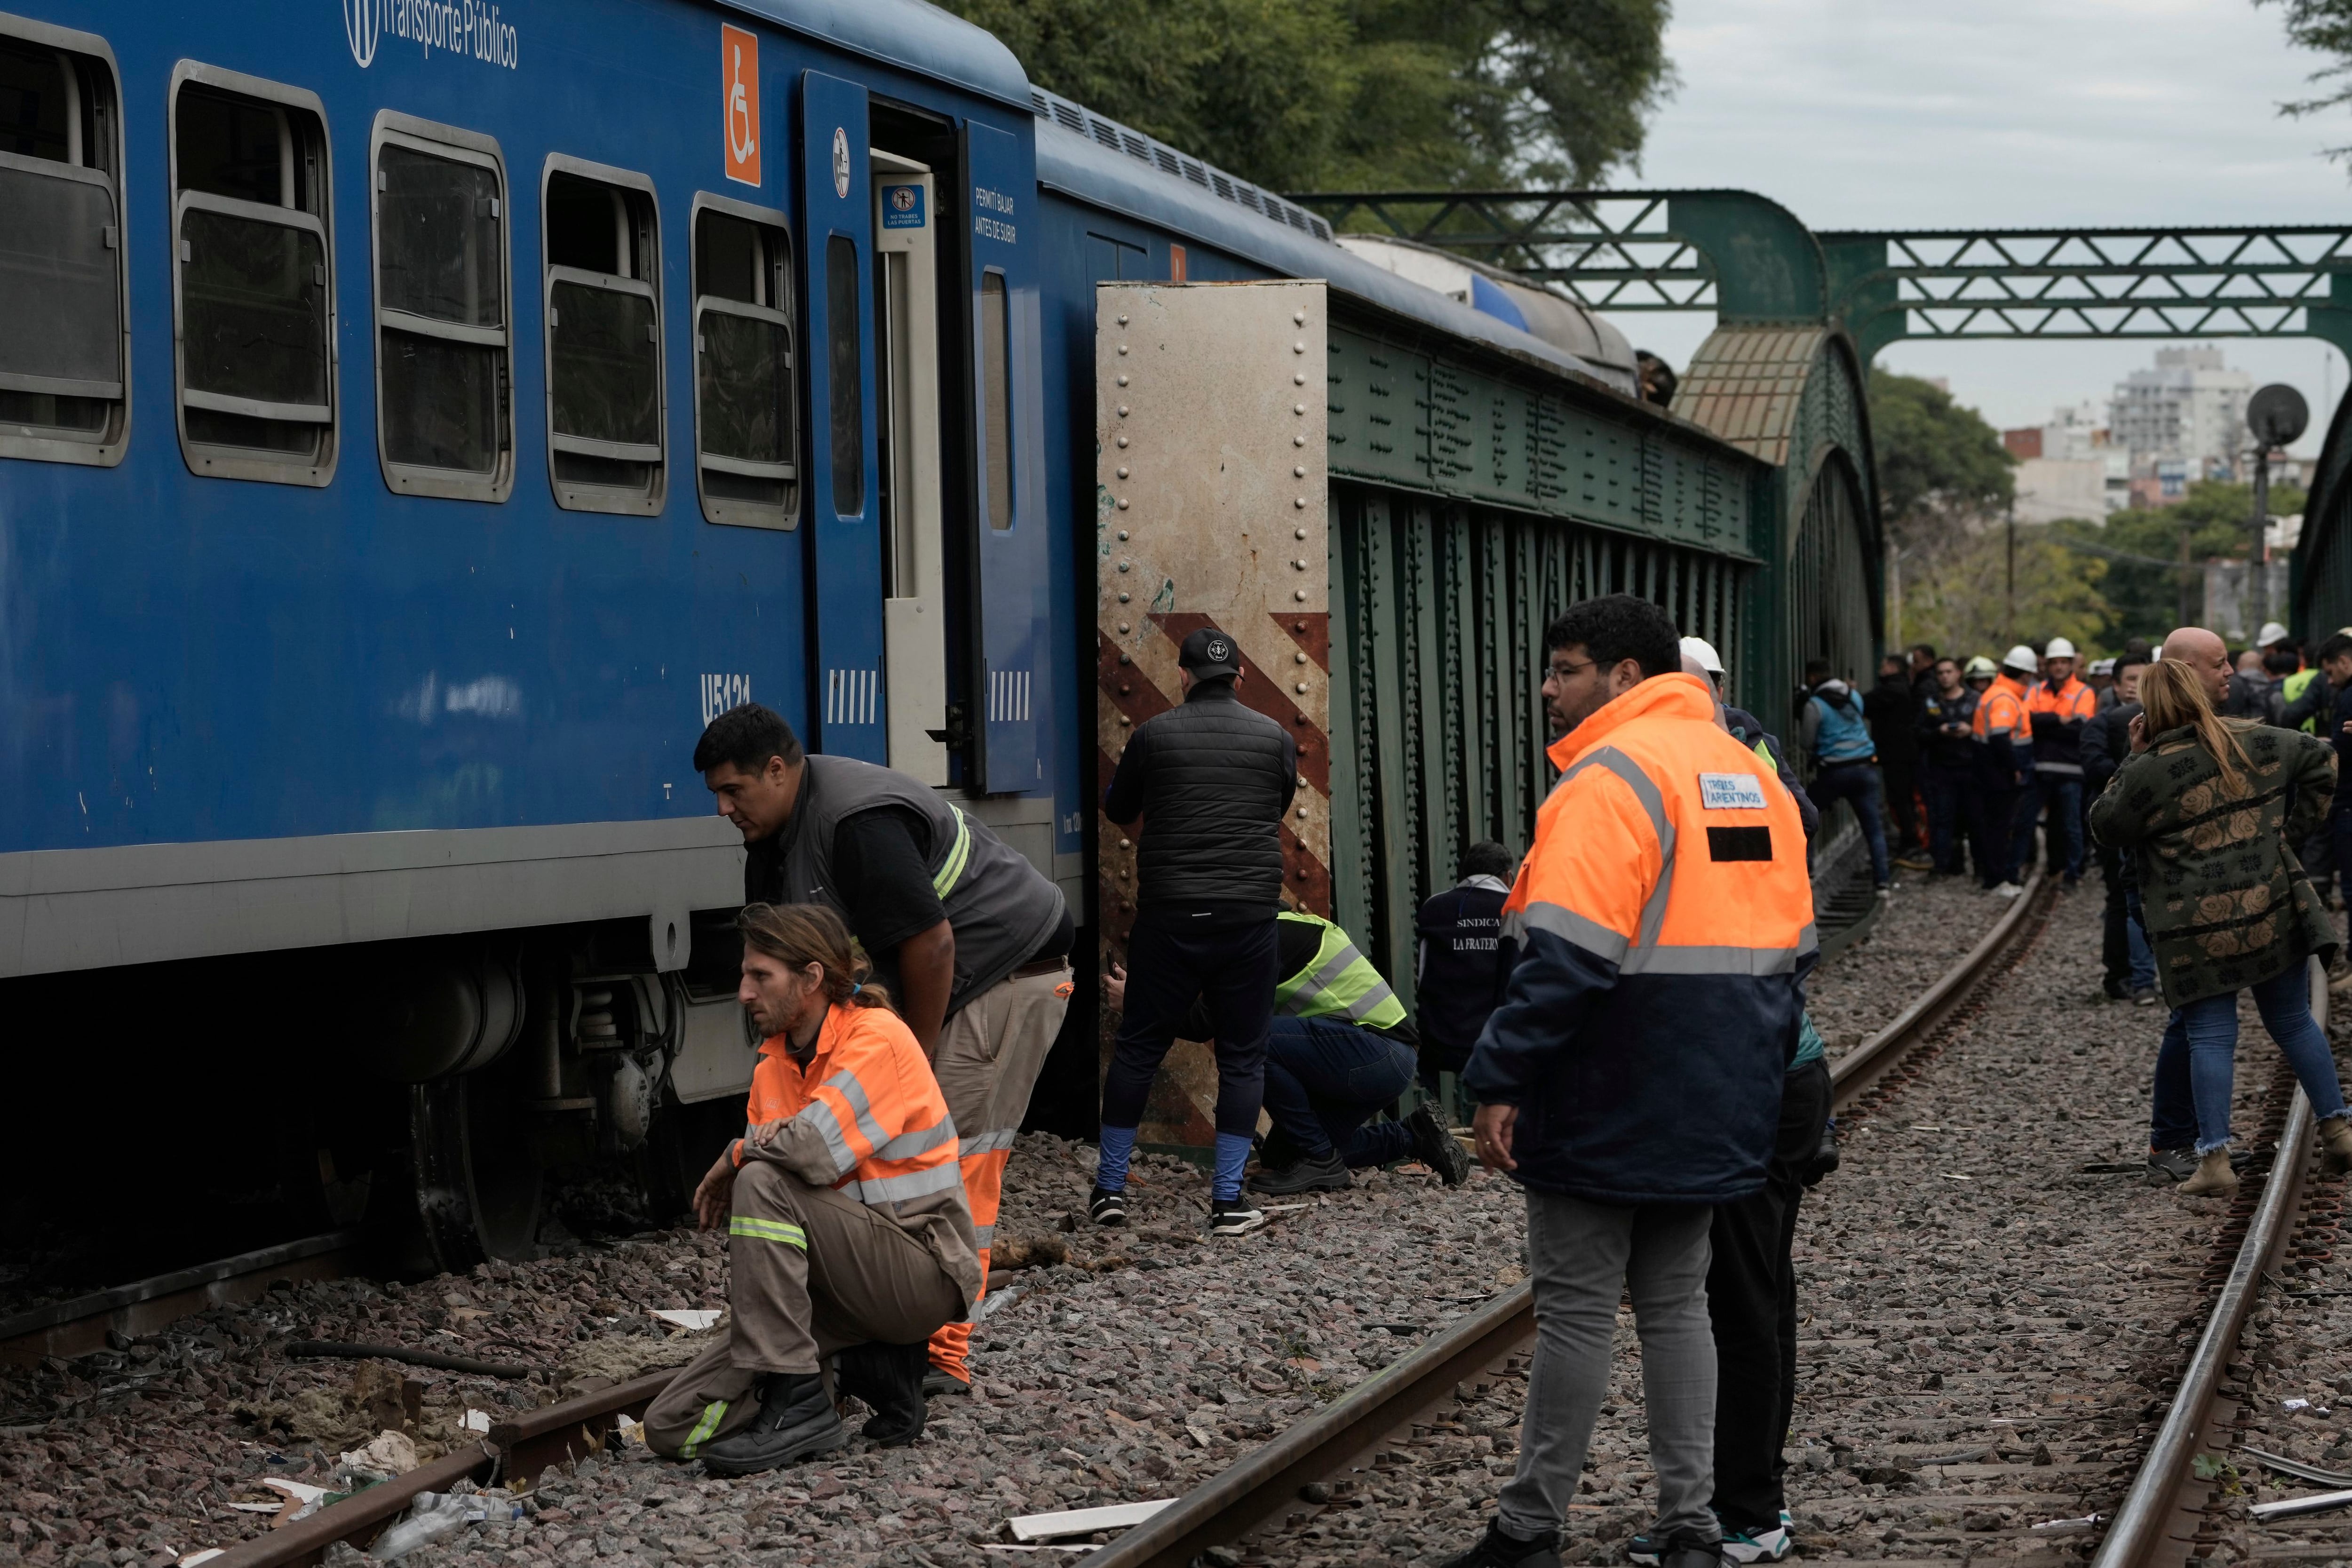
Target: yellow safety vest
1338 981
2296 685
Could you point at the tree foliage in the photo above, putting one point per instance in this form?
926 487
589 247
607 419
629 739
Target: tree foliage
2143 590
1962 607
2322 27
1359 94
1939 465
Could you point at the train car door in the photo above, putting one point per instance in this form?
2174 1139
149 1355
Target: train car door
906 373
1008 403
849 708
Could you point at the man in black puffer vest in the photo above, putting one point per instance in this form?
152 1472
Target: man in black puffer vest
1211 780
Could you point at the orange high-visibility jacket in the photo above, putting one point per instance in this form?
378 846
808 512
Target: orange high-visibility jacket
1665 923
2003 728
863 1114
2058 716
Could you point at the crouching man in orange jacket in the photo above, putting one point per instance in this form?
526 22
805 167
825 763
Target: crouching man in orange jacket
844 1203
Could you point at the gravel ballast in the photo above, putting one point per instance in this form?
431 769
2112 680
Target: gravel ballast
1136 1365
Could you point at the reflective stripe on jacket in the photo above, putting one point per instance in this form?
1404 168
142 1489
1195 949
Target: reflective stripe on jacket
1665 923
2000 721
999 907
1339 981
865 1115
2057 717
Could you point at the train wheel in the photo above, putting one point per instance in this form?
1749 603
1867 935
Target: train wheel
686 1142
478 1176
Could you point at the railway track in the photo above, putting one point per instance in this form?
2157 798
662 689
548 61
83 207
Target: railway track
1267 1479
2152 1495
80 1324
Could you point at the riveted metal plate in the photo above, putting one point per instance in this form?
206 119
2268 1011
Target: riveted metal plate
1211 430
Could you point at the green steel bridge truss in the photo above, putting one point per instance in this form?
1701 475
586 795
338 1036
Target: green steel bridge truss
1748 258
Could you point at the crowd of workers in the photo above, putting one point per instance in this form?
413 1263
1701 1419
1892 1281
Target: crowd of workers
1624 1004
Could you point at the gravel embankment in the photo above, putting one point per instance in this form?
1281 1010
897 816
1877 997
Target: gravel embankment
2294 1366
1146 1362
1990 1318
1136 1369
1926 928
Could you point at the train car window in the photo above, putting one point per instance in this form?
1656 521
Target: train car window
252 277
63 354
745 422
845 375
605 394
444 419
996 399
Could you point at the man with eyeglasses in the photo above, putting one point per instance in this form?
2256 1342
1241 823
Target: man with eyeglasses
1631 1079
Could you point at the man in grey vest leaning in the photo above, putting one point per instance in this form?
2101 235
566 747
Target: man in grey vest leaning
969 936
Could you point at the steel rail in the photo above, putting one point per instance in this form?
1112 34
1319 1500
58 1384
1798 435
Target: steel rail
79 1325
2146 1532
515 1451
1266 1479
1862 1066
1226 1506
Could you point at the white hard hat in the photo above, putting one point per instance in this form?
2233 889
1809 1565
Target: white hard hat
2021 657
2272 632
2059 649
1704 651
2102 666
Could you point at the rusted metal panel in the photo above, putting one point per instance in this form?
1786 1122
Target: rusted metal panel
1212 435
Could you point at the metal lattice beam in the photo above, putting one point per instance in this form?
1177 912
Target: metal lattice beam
2254 281
1611 250
1682 250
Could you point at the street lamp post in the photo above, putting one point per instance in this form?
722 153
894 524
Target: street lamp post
2277 416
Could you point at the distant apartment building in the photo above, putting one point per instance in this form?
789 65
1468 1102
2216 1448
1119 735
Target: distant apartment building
2068 468
2189 409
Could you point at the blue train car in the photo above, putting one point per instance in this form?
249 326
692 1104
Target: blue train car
419 417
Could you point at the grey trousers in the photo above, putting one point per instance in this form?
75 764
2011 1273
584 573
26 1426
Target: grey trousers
1584 1258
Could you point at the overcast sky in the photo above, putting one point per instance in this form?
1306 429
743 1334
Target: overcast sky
1936 113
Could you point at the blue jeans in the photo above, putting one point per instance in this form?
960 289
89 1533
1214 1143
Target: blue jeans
2065 790
1326 1078
1952 809
1856 782
2208 1034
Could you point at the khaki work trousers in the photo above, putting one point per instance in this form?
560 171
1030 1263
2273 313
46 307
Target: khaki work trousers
989 1055
809 1272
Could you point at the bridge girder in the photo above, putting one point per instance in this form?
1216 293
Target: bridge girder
1750 260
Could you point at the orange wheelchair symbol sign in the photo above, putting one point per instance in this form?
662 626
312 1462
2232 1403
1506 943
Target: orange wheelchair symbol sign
738 60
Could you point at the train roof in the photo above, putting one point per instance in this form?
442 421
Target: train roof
1083 155
911 34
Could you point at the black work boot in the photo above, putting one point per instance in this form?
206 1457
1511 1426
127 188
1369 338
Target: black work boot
1498 1550
796 1419
1436 1148
1688 1548
891 1379
1308 1173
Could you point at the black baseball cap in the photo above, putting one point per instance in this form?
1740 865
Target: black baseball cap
1208 653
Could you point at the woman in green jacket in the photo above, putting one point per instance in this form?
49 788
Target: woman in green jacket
2209 805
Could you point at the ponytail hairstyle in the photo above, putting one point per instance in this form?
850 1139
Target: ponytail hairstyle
798 935
2172 698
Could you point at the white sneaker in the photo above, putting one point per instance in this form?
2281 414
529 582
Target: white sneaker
2008 891
1770 1546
